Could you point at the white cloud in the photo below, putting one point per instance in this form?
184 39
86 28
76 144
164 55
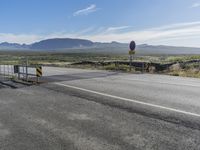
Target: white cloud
86 11
173 34
19 38
86 31
176 25
181 34
114 29
195 5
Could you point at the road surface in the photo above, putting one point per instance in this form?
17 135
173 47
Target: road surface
98 110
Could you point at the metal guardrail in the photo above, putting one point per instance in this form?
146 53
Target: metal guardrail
20 72
7 71
27 72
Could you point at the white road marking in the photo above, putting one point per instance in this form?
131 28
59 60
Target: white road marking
131 100
192 85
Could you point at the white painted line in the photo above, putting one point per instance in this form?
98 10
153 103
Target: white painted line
131 100
192 85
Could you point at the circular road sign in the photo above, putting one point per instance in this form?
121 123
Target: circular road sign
132 45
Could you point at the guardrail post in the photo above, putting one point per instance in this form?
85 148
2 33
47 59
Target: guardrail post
26 69
38 72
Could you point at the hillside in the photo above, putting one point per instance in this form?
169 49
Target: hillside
82 45
53 44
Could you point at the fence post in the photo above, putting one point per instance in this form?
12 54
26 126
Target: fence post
26 69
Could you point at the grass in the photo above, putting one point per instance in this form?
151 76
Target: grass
50 57
124 68
182 58
188 70
62 59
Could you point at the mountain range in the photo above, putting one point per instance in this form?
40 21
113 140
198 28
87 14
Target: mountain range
82 45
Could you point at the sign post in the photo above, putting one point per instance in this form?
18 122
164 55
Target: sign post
132 47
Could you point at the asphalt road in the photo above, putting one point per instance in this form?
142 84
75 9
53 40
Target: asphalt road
98 110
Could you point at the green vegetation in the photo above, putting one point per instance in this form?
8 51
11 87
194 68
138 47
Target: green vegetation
56 58
182 58
188 69
125 68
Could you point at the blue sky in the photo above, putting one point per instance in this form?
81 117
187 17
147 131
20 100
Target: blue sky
158 22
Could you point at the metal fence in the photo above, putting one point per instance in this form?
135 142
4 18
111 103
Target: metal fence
20 72
28 73
7 71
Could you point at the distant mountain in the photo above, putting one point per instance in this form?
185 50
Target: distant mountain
6 45
82 45
58 44
162 49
